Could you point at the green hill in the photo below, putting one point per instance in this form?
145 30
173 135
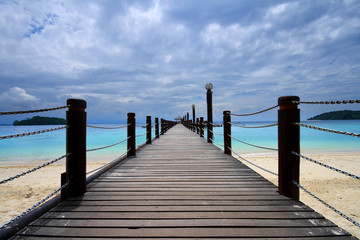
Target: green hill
41 121
338 115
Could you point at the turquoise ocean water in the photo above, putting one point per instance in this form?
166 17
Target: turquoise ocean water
52 145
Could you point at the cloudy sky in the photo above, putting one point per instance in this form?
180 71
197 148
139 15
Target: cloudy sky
154 57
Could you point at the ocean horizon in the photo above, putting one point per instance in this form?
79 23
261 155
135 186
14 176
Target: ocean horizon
52 145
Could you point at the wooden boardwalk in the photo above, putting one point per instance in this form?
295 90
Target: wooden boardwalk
181 187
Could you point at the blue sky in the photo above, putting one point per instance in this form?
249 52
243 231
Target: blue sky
154 57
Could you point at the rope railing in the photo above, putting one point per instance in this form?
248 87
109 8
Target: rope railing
327 166
107 164
264 169
108 146
100 127
327 102
33 169
266 148
327 130
254 113
261 126
31 133
143 126
140 135
326 204
33 111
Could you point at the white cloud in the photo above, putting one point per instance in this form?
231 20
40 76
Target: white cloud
17 99
17 95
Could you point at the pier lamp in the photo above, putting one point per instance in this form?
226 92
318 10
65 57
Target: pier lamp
209 87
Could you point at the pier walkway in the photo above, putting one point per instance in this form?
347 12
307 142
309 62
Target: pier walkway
180 186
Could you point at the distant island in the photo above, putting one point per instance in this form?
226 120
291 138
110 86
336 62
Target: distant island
338 115
40 121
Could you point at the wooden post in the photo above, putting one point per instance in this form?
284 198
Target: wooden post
76 147
63 182
131 142
288 141
209 116
162 126
201 127
157 135
148 129
197 126
227 132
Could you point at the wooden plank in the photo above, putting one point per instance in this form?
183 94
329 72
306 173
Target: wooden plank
179 202
174 238
220 208
183 215
119 223
99 196
184 232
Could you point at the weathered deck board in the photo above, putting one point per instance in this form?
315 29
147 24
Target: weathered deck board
181 187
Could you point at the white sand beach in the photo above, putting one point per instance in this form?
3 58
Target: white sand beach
337 189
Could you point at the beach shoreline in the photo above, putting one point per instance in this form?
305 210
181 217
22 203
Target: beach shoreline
337 189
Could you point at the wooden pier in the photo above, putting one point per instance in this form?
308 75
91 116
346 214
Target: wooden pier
180 186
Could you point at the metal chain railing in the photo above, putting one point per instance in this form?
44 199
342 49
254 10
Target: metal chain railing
91 126
31 133
100 148
267 148
262 126
328 130
264 169
327 102
249 114
33 111
33 169
328 205
327 166
34 206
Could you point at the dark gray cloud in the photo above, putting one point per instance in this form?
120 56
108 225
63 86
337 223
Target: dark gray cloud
154 57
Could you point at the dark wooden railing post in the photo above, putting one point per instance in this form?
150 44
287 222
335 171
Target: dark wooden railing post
209 114
227 132
201 127
157 135
131 142
197 126
162 126
288 141
76 147
148 129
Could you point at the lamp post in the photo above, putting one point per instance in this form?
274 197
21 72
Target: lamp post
193 122
209 87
